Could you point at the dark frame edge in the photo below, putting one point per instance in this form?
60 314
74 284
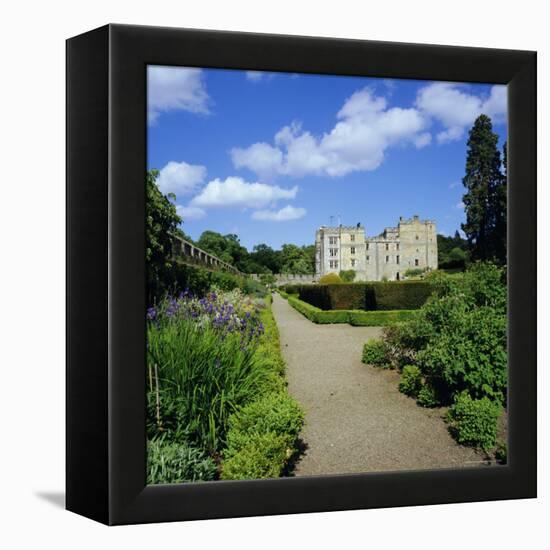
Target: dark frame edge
87 142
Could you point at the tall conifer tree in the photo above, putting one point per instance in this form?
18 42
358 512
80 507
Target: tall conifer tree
485 197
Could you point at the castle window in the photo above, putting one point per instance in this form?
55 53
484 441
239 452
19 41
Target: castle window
397 246
352 238
333 264
397 275
332 240
353 249
368 258
397 259
387 259
416 237
416 262
333 252
353 262
387 246
367 246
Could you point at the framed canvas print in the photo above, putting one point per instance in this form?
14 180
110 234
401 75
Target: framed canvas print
301 274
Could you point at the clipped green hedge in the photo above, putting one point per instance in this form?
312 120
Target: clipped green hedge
261 437
371 296
353 317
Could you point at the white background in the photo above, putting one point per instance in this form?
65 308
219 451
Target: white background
32 129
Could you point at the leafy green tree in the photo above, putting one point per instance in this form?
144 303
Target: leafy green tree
265 256
161 221
485 225
294 260
447 251
348 275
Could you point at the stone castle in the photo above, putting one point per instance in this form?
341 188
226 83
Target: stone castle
412 244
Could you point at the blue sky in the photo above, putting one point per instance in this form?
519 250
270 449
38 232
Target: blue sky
271 157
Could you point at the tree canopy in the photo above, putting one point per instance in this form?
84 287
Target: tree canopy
485 197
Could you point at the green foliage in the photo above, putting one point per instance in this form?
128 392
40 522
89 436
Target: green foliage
501 452
204 376
428 396
161 220
379 318
261 456
415 272
452 252
254 288
353 317
297 260
411 380
330 279
474 421
374 353
485 197
261 437
370 296
177 462
276 412
348 276
458 338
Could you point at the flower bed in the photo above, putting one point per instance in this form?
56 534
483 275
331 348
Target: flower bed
207 359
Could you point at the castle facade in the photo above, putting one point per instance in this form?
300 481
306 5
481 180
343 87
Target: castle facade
410 245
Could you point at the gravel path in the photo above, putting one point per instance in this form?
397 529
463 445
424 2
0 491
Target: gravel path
356 419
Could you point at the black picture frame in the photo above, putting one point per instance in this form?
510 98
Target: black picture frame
106 162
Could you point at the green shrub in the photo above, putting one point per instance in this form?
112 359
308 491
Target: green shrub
261 437
261 456
291 288
330 278
374 353
415 272
474 421
472 356
428 396
378 318
400 295
348 275
307 310
501 452
177 462
355 318
276 412
254 288
411 380
372 296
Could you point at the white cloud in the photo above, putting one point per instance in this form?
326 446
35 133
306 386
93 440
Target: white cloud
460 205
190 212
254 76
175 89
454 184
284 214
258 76
236 192
261 158
456 109
180 178
364 130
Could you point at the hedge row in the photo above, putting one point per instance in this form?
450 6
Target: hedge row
262 435
353 317
371 296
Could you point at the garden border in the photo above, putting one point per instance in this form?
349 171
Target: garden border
354 317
